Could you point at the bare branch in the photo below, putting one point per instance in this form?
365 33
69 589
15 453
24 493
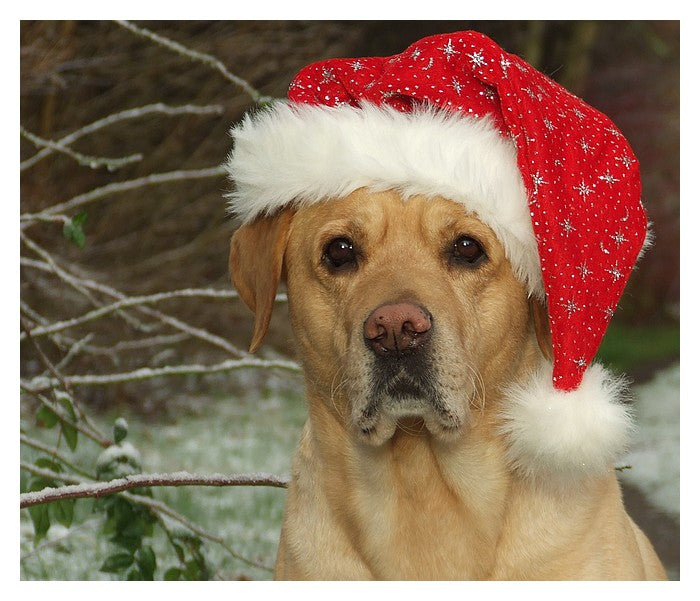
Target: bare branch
116 187
82 159
201 57
40 383
135 113
129 302
84 285
101 489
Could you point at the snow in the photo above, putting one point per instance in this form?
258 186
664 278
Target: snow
654 455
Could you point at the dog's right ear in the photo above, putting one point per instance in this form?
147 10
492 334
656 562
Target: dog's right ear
255 266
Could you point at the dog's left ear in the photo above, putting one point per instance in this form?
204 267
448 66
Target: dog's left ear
540 319
255 266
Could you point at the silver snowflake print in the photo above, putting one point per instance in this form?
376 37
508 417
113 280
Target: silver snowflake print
583 189
327 75
608 178
357 65
548 124
615 273
371 84
456 85
567 227
585 146
571 307
578 113
429 65
537 181
625 160
505 63
609 312
580 362
388 94
619 238
449 50
583 269
532 94
614 132
415 54
477 58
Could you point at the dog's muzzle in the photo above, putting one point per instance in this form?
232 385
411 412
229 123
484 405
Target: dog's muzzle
403 380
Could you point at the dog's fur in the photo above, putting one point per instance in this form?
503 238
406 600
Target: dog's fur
420 488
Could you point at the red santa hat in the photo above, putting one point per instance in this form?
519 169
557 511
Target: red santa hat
455 115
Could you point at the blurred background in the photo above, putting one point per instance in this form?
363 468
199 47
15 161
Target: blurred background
174 235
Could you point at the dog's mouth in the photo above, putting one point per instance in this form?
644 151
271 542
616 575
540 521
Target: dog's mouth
402 393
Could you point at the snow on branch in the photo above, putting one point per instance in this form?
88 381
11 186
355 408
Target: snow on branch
101 489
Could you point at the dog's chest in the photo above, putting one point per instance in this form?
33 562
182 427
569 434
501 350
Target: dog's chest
413 521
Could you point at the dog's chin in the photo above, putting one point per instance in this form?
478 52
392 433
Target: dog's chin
381 418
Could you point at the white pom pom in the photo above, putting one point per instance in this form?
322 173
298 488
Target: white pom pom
563 436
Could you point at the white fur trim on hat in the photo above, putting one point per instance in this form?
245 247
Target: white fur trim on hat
302 154
561 436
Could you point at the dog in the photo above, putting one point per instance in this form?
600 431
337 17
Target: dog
410 324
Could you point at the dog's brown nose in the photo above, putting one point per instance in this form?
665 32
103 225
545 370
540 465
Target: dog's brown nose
397 327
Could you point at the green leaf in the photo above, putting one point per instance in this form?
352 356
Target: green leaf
62 510
65 402
73 230
41 520
49 464
121 429
46 417
71 436
172 574
117 562
146 561
192 571
135 574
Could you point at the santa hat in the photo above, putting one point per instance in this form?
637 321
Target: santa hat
457 116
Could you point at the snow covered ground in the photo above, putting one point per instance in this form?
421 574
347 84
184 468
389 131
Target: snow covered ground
654 455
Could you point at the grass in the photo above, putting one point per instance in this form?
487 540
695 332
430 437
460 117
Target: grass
627 348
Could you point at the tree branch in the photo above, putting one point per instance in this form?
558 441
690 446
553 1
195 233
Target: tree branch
82 159
41 383
201 57
101 489
134 113
115 187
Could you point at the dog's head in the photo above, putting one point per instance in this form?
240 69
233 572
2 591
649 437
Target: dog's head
406 312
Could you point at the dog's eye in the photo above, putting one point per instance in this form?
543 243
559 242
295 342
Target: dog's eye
339 254
467 251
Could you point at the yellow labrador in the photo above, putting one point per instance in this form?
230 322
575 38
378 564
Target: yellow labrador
410 323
